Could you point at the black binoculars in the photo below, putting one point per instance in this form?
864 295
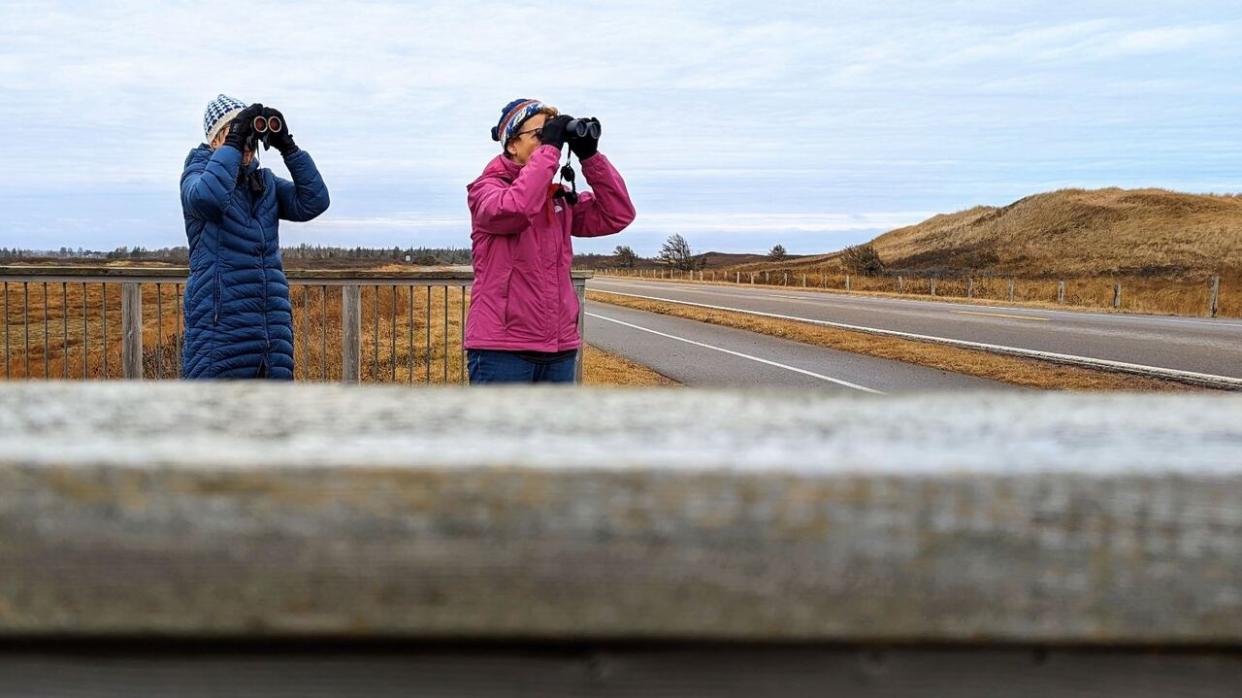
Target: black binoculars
263 127
587 127
267 123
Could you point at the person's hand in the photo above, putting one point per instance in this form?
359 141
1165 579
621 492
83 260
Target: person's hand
553 132
241 128
585 146
281 140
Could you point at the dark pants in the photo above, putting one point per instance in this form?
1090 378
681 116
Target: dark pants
488 366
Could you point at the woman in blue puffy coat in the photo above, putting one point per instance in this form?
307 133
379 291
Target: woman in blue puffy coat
238 320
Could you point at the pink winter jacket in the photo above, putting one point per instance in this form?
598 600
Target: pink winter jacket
523 298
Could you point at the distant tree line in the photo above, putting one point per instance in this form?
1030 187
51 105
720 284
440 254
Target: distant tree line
415 255
676 253
12 253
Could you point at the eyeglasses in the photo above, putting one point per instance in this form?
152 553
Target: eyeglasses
537 131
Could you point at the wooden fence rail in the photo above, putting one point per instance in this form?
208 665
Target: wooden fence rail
674 543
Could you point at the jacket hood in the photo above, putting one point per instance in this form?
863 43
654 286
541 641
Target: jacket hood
202 152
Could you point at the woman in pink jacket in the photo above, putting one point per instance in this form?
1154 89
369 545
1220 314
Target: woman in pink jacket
523 323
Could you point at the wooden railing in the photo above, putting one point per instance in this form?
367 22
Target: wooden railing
294 540
126 322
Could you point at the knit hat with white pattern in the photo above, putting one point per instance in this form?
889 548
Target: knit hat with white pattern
220 111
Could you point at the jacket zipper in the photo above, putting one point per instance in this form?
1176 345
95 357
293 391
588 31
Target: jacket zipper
267 330
216 276
215 295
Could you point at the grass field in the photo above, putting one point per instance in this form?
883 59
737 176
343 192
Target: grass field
409 334
1081 233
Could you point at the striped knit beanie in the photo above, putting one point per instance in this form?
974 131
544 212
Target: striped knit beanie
220 111
512 117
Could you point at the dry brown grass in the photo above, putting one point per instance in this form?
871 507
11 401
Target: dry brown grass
1016 371
602 368
404 335
1075 232
64 355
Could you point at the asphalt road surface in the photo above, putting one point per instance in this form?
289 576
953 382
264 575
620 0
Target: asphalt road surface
700 354
1206 346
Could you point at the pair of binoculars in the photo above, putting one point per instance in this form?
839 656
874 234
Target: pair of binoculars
587 127
267 124
264 127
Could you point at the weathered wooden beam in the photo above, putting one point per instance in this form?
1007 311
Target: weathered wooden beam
197 510
582 670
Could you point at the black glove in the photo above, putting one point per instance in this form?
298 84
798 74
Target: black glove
281 140
241 128
585 146
553 133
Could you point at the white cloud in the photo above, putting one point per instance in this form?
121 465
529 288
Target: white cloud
730 115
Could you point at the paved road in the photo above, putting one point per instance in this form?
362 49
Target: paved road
700 354
1187 344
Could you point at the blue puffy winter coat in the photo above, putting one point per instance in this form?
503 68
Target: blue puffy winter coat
238 321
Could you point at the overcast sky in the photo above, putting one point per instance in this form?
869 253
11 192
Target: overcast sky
738 124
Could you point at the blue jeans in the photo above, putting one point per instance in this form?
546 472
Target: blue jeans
488 366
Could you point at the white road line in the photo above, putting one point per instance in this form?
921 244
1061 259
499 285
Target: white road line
739 354
1194 377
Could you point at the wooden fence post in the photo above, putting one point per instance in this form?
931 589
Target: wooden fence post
131 330
970 287
901 284
1011 289
932 283
847 283
1061 292
1117 295
351 333
1214 302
